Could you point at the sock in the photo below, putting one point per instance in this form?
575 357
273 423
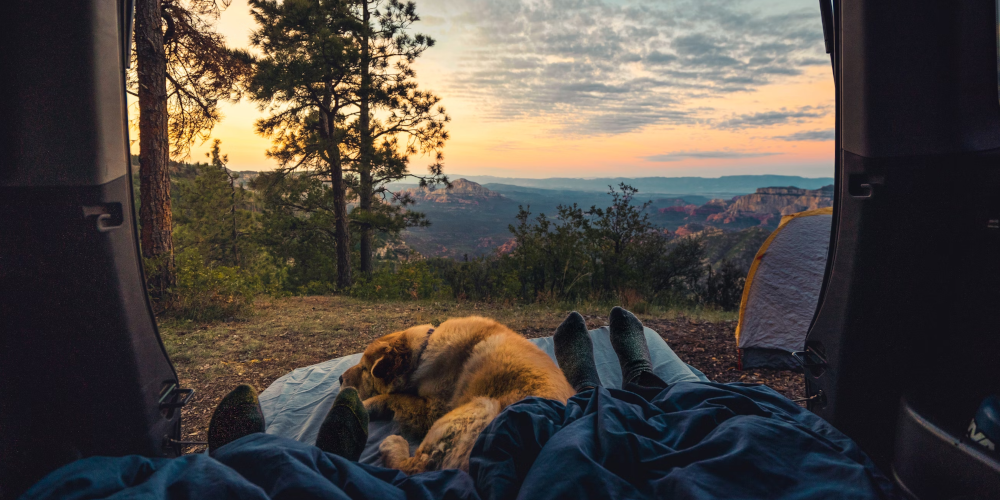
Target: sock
629 343
575 353
344 431
237 415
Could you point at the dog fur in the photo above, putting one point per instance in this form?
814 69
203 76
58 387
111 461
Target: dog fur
448 385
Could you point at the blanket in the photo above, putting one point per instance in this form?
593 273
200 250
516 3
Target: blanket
294 405
692 440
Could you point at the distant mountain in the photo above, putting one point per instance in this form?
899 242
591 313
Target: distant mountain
461 191
473 216
472 219
466 219
763 208
726 185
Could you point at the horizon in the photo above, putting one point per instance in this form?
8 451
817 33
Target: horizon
605 88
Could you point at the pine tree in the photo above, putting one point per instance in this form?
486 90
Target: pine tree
409 121
211 212
304 80
183 70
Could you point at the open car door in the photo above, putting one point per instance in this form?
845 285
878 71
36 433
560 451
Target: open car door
82 368
906 340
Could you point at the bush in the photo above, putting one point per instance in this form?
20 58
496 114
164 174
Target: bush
401 281
723 288
211 292
492 278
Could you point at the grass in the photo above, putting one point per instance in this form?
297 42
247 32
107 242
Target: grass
288 333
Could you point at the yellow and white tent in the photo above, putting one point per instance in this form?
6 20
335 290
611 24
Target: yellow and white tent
782 290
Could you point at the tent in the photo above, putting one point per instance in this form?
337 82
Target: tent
782 290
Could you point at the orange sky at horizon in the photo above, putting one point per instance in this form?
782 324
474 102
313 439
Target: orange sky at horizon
539 146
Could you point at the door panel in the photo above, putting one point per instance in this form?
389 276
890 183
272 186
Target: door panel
82 368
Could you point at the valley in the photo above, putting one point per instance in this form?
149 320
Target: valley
472 219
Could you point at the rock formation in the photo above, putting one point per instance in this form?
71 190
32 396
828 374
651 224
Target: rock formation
462 191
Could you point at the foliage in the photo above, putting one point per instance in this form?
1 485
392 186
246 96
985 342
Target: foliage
296 230
740 247
303 80
401 281
212 213
490 279
612 254
601 251
219 267
205 292
395 119
201 71
724 288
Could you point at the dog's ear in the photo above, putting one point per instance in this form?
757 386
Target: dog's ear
393 360
382 366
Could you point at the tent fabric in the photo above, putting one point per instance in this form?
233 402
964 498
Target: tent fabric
295 405
782 290
693 440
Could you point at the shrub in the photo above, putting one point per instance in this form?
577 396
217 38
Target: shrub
211 292
401 281
492 278
723 288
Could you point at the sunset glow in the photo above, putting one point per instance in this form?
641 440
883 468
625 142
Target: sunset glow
715 88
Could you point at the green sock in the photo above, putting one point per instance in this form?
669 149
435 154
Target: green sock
236 416
344 431
575 353
629 342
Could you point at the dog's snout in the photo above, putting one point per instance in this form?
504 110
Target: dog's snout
341 380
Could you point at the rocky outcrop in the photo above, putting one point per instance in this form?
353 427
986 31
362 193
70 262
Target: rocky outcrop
767 205
461 191
763 208
780 200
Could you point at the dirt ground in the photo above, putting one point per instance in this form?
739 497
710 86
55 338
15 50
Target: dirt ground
288 333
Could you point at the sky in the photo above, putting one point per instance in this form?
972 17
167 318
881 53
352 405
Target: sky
607 88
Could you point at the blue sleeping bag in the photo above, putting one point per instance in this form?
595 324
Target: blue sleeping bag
693 440
696 440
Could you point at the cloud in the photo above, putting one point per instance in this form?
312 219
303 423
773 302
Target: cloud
769 118
809 135
701 155
598 67
432 21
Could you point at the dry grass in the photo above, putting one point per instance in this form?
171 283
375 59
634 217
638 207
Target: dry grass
289 333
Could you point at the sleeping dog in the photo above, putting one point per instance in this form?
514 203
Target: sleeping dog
446 384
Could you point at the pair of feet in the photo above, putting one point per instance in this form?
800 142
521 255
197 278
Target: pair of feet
344 430
575 351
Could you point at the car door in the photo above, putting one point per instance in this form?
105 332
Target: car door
82 368
905 342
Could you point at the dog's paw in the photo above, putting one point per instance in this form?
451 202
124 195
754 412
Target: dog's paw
378 407
394 450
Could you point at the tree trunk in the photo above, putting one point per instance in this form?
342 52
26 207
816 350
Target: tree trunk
341 233
155 217
232 212
365 172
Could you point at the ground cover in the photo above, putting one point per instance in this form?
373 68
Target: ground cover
287 333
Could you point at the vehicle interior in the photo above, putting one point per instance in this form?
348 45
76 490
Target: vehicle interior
903 346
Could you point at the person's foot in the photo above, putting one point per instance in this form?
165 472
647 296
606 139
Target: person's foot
575 353
344 431
236 416
629 342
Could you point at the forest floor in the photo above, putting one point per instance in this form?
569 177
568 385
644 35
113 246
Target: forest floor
288 333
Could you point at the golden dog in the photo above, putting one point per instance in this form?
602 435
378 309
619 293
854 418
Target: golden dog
446 384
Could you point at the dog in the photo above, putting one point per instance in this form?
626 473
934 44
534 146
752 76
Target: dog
446 384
